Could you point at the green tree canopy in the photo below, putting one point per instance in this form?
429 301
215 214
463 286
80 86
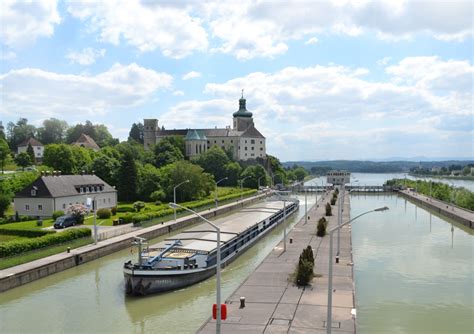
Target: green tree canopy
82 159
300 173
200 185
127 178
136 132
53 131
106 167
23 160
253 173
166 153
214 161
232 172
60 157
4 153
31 153
148 181
19 132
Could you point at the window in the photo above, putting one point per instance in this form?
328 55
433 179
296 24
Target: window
261 142
40 207
252 154
246 148
232 141
222 142
253 148
81 190
261 148
109 200
64 206
38 148
33 192
27 207
246 142
252 141
215 141
208 142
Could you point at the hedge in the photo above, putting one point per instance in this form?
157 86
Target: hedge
25 232
104 213
125 209
14 247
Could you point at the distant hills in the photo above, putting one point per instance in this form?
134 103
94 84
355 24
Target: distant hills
359 166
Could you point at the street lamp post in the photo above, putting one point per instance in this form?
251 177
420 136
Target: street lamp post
258 181
218 263
331 231
242 187
215 198
174 196
339 214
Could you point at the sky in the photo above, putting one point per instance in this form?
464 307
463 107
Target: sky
325 80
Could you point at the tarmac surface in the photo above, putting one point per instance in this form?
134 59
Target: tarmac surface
274 304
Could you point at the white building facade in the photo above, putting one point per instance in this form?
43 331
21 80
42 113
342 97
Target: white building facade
38 148
57 192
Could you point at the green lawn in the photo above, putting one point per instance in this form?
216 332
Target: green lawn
44 252
29 224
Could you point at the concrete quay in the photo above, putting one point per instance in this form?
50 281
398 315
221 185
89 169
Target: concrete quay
274 304
31 271
463 216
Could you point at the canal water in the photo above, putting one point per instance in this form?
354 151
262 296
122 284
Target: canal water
413 269
90 298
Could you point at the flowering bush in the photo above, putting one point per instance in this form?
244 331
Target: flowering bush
78 211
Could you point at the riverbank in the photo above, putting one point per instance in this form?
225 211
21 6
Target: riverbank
275 304
28 272
463 216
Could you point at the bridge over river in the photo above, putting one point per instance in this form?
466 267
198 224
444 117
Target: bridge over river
353 188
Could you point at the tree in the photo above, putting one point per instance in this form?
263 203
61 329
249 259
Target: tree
148 181
5 201
300 173
254 173
4 152
23 160
103 136
53 131
59 157
200 184
127 178
232 172
213 161
19 132
82 159
106 168
166 153
31 153
136 133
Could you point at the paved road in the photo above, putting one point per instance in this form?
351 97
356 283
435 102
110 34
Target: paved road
275 305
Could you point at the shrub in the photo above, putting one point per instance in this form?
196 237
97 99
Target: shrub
103 213
321 229
14 247
304 272
78 211
25 232
333 201
157 196
138 206
328 209
125 208
127 218
307 255
113 210
57 214
336 192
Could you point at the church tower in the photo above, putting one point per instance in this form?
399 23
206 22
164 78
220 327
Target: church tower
242 117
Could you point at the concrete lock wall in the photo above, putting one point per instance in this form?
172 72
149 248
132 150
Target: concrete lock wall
65 261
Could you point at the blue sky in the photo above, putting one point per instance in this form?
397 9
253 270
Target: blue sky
338 79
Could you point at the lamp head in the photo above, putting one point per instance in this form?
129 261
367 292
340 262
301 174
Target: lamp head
173 205
385 208
187 181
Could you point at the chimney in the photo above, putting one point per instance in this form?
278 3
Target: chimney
42 173
83 172
48 173
59 173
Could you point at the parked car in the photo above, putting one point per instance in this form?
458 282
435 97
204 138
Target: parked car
64 221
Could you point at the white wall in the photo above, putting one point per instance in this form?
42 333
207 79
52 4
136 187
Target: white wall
255 148
37 149
20 205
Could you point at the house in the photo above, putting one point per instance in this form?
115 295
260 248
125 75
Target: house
338 177
50 193
38 148
243 139
87 142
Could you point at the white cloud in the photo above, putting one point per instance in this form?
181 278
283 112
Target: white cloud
191 75
7 55
301 110
312 41
170 29
384 61
34 92
178 93
25 21
87 56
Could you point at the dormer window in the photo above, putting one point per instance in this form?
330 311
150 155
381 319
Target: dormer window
81 190
34 191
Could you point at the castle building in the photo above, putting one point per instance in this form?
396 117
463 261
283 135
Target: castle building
243 139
